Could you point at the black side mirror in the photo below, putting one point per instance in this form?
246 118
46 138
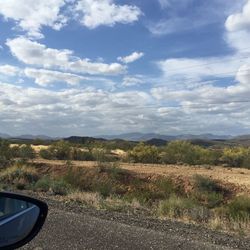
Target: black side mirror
21 218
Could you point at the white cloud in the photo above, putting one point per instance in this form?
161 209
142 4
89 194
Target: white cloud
79 111
129 81
238 29
94 13
189 73
184 15
173 3
175 25
47 77
243 74
131 58
239 21
88 111
164 3
34 53
9 70
32 15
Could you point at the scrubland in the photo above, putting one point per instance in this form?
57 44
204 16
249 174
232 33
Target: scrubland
180 181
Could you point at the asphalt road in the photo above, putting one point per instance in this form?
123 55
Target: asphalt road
67 229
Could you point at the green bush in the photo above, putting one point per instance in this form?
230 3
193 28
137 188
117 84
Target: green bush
57 186
61 150
46 154
80 155
184 152
208 192
166 187
60 187
144 154
239 208
43 184
175 206
105 188
205 184
5 154
26 152
236 157
20 177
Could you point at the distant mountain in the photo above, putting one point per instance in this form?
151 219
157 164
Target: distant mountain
82 139
242 137
137 137
150 136
4 136
156 142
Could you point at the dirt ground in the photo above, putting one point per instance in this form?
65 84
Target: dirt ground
238 177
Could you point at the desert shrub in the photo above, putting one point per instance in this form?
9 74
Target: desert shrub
26 152
43 184
142 192
80 155
175 206
20 177
57 186
185 152
60 187
105 179
208 191
166 187
144 154
205 184
105 188
239 208
236 157
46 154
61 150
15 151
5 154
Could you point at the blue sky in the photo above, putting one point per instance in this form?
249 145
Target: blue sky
88 67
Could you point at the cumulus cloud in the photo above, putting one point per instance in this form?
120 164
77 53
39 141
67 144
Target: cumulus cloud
34 53
189 73
238 29
239 21
89 111
94 13
131 58
32 15
48 77
243 74
9 70
71 111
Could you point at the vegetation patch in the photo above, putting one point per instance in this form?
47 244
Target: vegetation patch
20 177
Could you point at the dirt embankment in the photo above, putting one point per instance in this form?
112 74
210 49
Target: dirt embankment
238 177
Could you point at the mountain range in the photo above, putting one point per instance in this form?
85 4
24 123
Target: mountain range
150 136
137 137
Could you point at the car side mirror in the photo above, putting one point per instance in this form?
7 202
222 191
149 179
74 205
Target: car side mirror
21 218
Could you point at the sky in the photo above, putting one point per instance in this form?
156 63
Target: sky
95 67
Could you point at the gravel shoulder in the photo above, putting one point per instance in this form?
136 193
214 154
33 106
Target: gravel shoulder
70 226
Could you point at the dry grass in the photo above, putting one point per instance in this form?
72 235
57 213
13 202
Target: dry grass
89 198
237 177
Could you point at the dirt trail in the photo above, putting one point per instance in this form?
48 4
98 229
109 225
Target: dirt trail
237 176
